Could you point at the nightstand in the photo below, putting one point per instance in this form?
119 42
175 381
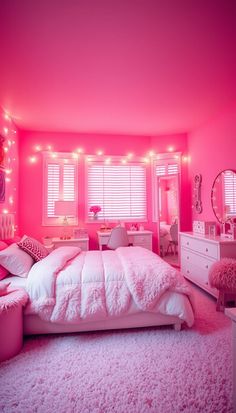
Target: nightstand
82 242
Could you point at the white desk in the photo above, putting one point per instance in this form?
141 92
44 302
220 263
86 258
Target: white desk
231 313
82 242
137 238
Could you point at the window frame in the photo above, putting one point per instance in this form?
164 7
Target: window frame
53 157
114 160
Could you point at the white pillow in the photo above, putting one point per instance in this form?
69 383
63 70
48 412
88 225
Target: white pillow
16 261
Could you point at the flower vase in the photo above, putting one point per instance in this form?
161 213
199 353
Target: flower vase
95 216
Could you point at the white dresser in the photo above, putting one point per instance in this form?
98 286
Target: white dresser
137 238
199 252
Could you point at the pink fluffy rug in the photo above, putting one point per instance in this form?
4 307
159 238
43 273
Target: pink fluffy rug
153 370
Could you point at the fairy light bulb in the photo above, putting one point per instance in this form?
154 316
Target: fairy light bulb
75 155
33 159
130 155
6 116
80 150
38 148
99 153
5 211
108 161
5 130
170 149
151 154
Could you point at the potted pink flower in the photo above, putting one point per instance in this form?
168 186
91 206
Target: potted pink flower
95 209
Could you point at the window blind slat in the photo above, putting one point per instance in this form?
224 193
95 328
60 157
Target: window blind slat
120 190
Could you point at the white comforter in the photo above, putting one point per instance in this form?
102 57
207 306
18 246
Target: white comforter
69 285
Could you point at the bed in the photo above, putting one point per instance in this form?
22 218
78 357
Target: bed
72 290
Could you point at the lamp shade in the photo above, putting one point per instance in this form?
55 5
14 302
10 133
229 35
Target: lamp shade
65 208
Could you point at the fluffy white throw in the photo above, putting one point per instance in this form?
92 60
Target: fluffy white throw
69 285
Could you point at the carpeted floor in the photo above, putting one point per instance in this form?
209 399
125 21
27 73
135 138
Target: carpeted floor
154 370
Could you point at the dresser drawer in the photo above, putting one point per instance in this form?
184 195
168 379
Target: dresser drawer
196 268
141 241
201 246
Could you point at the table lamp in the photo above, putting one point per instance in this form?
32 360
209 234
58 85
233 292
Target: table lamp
65 209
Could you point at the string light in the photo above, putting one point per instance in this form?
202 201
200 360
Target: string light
151 154
6 116
75 155
170 149
5 130
33 159
146 160
38 148
99 153
130 155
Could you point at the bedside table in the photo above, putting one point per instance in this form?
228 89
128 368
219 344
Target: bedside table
82 242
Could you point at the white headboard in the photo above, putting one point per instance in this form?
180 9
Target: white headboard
6 226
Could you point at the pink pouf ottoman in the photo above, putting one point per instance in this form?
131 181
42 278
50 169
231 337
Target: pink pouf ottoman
222 275
11 322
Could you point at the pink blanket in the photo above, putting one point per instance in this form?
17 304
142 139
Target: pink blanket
69 285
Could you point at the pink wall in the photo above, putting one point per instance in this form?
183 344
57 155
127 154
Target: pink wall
10 133
30 216
212 149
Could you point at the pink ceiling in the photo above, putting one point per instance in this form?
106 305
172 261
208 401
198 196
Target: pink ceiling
121 66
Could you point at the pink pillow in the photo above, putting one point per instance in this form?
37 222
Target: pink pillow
16 261
3 288
3 271
33 247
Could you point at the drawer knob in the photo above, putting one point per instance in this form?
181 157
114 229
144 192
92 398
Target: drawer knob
206 282
187 258
206 249
187 271
187 243
206 266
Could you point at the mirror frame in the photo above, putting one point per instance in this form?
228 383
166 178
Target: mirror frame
221 221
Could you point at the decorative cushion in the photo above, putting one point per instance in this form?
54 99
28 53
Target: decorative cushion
222 275
33 247
16 261
3 271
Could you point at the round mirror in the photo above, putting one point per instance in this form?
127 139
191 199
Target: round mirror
223 196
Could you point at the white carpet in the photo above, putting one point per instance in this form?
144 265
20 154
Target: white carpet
155 370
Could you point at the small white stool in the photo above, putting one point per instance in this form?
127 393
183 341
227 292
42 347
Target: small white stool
11 322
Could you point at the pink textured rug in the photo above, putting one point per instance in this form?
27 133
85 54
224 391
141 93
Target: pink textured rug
154 370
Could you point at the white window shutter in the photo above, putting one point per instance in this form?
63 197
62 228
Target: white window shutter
60 183
120 190
230 192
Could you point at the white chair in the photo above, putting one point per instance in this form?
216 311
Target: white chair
118 238
174 239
